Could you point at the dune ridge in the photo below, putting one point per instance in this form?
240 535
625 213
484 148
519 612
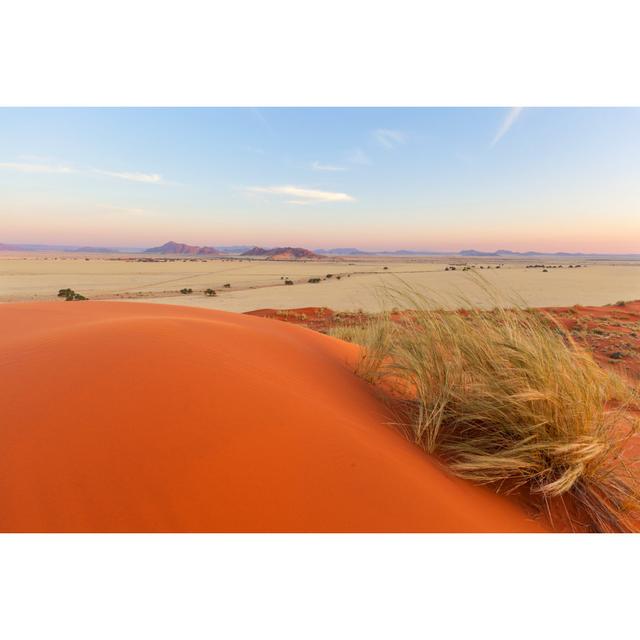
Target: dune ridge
121 417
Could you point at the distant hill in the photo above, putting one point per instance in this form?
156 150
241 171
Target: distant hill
183 249
67 248
352 251
507 252
283 253
92 250
238 248
347 251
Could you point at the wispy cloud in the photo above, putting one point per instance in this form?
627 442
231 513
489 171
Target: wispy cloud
302 195
358 156
31 167
149 178
389 138
129 211
318 166
47 167
262 119
507 123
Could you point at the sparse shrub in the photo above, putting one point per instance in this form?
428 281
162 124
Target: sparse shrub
545 271
186 291
620 303
314 280
289 282
329 275
70 295
73 296
209 292
227 286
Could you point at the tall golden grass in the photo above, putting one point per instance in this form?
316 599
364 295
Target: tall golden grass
505 396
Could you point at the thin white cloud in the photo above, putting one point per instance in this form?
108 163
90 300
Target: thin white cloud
42 167
149 178
31 167
129 211
358 156
303 195
318 166
507 123
389 138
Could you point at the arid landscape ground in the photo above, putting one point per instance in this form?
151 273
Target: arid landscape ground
346 284
255 421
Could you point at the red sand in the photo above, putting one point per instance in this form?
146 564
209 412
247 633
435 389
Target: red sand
145 418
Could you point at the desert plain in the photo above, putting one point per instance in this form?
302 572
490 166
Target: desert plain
345 284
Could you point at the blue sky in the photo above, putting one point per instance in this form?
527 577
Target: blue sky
433 178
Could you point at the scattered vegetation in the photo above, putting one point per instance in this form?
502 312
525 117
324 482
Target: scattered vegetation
210 292
70 295
186 291
227 285
506 397
314 280
289 282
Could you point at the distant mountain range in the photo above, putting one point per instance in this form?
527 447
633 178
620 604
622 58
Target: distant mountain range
283 253
298 253
91 250
177 248
68 248
350 251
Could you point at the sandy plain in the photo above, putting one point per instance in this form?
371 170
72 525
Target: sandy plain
355 283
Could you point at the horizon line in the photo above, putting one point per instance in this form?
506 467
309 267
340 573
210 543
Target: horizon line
34 246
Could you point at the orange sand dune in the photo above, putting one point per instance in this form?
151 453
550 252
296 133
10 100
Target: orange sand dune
133 417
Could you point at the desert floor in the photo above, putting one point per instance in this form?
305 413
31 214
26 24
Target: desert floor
356 283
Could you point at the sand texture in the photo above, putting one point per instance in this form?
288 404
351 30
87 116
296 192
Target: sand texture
119 417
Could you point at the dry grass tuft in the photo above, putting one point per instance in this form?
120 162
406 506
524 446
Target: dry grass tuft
375 334
505 396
